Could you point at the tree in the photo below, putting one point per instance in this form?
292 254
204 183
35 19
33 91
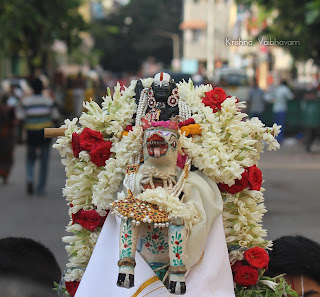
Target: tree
30 27
293 20
130 35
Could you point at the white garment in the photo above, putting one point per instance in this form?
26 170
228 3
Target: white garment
208 276
211 277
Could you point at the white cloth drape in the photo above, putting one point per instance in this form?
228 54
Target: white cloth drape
211 277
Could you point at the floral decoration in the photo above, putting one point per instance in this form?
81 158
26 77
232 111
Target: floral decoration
257 257
126 240
88 219
72 287
246 276
155 242
214 98
75 143
96 152
238 186
251 178
176 241
100 153
89 138
247 271
254 178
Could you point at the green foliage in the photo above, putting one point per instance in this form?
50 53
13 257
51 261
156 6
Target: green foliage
62 290
30 27
262 290
129 36
293 20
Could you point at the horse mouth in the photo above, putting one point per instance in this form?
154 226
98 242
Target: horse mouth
157 146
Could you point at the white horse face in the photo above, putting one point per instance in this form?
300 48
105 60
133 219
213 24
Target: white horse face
160 143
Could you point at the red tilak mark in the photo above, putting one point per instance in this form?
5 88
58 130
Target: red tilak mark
161 76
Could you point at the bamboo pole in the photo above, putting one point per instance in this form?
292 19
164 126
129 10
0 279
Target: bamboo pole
54 132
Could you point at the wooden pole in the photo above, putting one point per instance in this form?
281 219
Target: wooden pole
54 132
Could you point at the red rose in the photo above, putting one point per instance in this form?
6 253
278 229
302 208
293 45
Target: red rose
239 185
72 287
147 244
254 178
246 276
89 138
257 257
160 247
214 98
75 143
236 266
101 153
88 219
129 128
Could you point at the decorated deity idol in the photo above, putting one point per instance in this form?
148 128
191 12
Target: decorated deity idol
177 167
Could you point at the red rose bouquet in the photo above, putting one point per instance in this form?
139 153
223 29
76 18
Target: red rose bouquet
246 272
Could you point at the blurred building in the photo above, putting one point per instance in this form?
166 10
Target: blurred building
206 24
222 33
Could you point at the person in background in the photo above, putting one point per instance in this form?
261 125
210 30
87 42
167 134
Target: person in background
279 97
299 258
256 101
14 100
27 268
79 87
7 137
38 112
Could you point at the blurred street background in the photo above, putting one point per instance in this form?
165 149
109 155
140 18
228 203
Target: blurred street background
263 52
291 178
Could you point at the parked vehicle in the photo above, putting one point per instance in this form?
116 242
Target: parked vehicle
234 81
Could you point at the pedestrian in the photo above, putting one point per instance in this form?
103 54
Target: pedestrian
79 87
256 103
299 258
279 97
7 137
38 112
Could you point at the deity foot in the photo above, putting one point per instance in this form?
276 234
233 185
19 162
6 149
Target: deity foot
126 272
177 284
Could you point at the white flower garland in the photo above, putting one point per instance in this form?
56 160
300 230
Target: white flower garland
228 144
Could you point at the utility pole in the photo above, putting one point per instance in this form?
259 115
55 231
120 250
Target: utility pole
210 39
